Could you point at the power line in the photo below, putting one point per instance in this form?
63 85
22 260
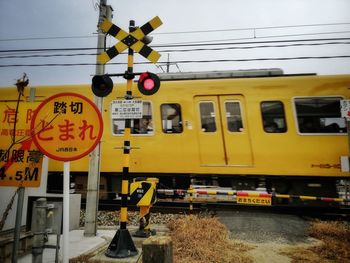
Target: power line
48 49
251 28
253 47
44 38
250 42
180 61
181 45
51 55
269 36
182 50
188 32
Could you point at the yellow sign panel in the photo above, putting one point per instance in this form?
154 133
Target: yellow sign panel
20 160
67 126
247 200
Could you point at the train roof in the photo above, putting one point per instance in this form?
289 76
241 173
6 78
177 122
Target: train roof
246 73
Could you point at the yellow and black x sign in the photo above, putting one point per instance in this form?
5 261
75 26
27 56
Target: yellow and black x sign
132 40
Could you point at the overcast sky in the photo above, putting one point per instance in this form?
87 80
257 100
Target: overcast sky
42 24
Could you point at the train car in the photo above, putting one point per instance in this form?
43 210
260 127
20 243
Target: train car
239 129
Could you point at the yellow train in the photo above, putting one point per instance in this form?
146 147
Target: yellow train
241 129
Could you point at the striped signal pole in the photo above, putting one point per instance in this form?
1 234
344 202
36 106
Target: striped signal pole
191 191
122 245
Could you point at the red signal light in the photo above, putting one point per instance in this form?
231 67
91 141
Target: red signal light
148 83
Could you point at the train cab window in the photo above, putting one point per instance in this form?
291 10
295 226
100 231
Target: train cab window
207 114
319 115
142 126
273 116
233 116
171 118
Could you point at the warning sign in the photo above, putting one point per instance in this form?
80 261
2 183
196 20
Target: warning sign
67 126
126 109
247 200
20 159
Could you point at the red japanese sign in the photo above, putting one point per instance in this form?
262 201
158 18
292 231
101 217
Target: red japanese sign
67 126
20 159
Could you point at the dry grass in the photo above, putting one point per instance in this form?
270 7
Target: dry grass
205 239
81 259
335 237
336 240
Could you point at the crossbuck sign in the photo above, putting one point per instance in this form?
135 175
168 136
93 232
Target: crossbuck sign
132 40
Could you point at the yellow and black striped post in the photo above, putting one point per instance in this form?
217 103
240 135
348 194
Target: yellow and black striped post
143 194
122 245
145 224
191 191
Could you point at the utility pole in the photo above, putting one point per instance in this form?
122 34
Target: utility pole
92 196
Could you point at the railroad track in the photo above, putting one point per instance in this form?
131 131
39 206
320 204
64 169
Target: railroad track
325 213
182 206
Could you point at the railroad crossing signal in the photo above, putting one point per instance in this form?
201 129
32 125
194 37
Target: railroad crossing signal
132 40
148 83
122 245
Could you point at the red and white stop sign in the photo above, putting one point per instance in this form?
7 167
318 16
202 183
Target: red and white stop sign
66 126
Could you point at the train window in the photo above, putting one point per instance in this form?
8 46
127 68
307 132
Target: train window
171 118
138 126
274 120
319 115
233 116
207 115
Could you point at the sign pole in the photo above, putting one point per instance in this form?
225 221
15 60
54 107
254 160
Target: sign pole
70 126
122 245
66 181
17 231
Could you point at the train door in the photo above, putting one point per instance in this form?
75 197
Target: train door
223 133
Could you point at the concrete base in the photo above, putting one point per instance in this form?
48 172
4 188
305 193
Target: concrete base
92 248
101 257
157 249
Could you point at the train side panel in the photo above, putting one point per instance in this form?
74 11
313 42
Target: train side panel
229 148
